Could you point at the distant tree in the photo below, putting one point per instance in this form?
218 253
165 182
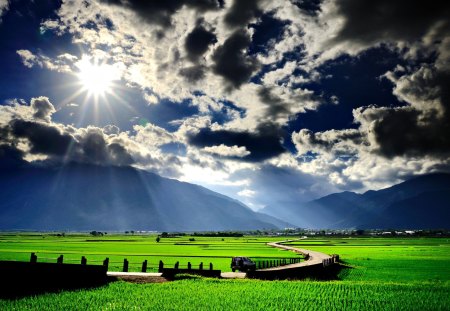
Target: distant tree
158 239
96 233
191 239
164 235
132 231
126 232
360 232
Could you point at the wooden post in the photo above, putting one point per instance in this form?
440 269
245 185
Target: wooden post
83 260
210 266
106 263
200 266
60 259
189 266
177 265
33 258
125 265
161 266
144 266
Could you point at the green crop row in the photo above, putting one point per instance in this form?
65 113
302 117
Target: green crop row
210 294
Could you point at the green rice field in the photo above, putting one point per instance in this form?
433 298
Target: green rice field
402 273
137 248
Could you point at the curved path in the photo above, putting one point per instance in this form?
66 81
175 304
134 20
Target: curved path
315 258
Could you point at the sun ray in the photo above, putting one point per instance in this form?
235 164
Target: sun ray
96 78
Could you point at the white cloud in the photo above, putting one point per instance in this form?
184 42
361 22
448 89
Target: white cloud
63 63
247 193
4 6
227 151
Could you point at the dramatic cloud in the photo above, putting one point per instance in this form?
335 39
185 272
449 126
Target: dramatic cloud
232 61
344 142
160 12
367 24
263 144
198 41
43 108
242 12
27 132
230 88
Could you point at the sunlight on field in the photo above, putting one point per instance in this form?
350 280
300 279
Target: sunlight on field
382 274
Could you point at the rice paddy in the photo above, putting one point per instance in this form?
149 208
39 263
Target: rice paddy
382 274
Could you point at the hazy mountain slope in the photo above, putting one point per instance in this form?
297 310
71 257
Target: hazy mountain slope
87 197
421 202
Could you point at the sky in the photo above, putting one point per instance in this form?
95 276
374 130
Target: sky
269 102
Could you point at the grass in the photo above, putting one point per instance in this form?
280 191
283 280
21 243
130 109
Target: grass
388 259
385 274
137 248
211 294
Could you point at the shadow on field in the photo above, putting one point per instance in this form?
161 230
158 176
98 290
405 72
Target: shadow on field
21 279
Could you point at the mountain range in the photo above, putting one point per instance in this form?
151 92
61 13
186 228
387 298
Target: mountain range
90 197
83 197
419 203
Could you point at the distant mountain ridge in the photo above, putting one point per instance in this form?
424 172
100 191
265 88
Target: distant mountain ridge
88 197
421 203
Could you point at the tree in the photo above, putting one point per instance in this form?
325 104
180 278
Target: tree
158 239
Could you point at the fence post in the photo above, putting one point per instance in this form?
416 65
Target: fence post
189 266
210 266
33 258
161 266
200 266
106 263
60 259
177 265
125 265
83 260
144 266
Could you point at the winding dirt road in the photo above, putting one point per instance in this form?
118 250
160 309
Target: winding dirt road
315 258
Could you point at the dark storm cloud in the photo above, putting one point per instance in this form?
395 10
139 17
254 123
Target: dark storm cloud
242 12
231 60
161 11
94 148
399 132
43 138
368 22
421 129
59 143
198 41
264 144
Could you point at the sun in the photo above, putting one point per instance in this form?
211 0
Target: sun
96 78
